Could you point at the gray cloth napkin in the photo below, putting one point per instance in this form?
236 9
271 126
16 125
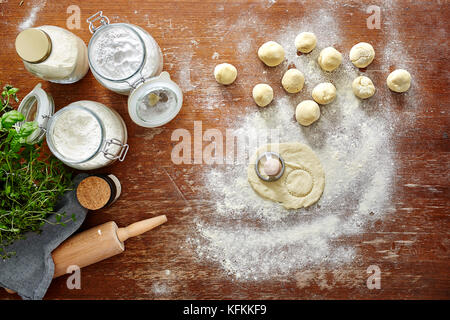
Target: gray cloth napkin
30 271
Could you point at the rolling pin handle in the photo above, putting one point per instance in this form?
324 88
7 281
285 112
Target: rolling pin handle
9 291
140 227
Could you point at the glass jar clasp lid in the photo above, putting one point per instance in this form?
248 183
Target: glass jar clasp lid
104 20
123 150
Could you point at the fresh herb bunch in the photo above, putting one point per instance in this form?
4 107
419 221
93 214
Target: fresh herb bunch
31 180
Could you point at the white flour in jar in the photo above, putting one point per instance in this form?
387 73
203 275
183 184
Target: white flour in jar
118 53
76 134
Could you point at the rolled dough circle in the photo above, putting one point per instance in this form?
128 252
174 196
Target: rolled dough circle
302 182
299 183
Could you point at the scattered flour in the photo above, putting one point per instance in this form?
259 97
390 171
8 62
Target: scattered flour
185 67
215 56
29 21
269 3
160 289
256 239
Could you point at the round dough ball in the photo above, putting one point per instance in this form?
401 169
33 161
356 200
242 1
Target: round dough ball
399 80
362 54
307 112
272 167
262 94
293 81
225 73
305 42
363 87
271 53
324 93
330 59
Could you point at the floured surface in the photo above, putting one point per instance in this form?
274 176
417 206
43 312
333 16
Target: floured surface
410 245
254 239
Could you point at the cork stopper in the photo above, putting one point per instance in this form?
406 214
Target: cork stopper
94 193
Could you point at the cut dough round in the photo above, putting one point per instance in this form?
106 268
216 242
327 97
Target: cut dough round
299 183
307 112
302 182
363 87
362 54
399 80
225 73
271 53
329 59
293 81
305 42
324 93
262 94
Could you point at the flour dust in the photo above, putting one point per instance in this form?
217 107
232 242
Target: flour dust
29 21
255 239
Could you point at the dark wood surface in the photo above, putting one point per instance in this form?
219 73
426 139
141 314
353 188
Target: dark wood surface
411 247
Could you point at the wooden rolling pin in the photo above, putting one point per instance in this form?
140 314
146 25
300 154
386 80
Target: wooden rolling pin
97 244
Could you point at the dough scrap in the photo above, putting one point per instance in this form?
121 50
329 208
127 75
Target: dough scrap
399 80
293 81
324 93
307 112
225 73
362 54
329 59
302 183
271 53
262 94
363 87
305 42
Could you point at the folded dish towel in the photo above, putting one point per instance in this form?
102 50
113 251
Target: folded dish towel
30 271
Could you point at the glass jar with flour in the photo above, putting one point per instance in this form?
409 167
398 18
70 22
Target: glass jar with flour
53 53
121 55
126 59
85 135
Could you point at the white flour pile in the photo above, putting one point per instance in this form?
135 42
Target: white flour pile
29 21
255 239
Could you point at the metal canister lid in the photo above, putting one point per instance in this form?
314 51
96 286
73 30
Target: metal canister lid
155 102
33 45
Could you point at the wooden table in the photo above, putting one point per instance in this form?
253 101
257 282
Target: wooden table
416 264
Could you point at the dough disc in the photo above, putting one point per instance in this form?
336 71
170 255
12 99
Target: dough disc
299 183
302 183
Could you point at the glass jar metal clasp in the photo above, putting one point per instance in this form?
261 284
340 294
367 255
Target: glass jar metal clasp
104 20
140 80
123 150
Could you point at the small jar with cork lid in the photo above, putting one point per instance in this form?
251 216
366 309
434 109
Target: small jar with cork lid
98 191
53 54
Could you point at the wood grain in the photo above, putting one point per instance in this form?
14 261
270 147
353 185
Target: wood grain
411 247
